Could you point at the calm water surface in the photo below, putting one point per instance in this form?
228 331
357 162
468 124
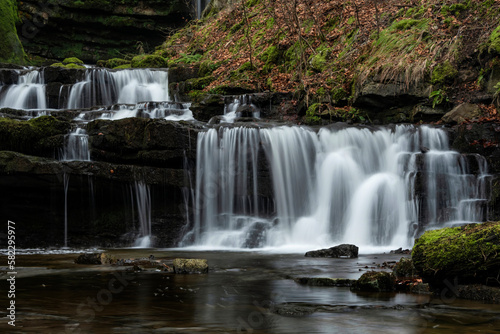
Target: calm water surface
245 292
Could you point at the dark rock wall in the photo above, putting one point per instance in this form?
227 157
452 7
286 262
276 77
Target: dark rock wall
97 29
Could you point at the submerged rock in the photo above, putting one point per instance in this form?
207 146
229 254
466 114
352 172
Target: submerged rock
190 266
325 281
344 250
375 281
95 258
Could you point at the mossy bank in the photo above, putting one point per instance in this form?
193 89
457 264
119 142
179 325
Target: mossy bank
11 50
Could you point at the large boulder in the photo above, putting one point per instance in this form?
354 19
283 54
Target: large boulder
461 113
466 254
344 250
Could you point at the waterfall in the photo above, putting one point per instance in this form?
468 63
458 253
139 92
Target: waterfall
28 93
143 203
104 87
369 187
76 146
66 187
239 106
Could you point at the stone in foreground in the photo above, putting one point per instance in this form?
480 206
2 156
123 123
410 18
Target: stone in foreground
95 258
375 281
325 281
468 254
340 251
190 266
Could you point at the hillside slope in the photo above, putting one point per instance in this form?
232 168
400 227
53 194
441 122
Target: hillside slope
413 60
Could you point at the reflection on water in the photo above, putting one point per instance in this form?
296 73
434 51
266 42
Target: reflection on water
243 293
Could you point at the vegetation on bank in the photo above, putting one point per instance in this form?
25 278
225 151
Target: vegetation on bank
11 50
324 52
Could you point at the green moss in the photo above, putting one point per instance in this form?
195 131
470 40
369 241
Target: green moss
198 83
189 58
149 61
339 94
207 67
495 41
318 61
443 73
69 66
197 95
407 24
470 252
24 136
237 26
251 3
115 62
311 117
123 67
11 50
72 60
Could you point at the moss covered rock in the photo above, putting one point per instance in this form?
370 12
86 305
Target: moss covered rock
375 281
32 137
72 60
116 62
68 66
190 266
443 73
404 268
469 253
149 61
11 50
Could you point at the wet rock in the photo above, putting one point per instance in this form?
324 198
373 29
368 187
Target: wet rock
420 288
256 236
485 294
404 268
245 110
376 281
401 250
294 309
190 266
325 281
152 142
182 73
93 30
461 113
379 93
340 251
95 258
92 258
210 106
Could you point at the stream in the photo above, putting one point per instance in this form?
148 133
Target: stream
244 292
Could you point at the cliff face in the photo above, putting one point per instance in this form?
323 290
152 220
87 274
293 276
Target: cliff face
11 50
97 29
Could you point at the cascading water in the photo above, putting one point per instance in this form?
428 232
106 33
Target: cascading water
238 106
104 87
28 93
371 188
143 203
76 146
